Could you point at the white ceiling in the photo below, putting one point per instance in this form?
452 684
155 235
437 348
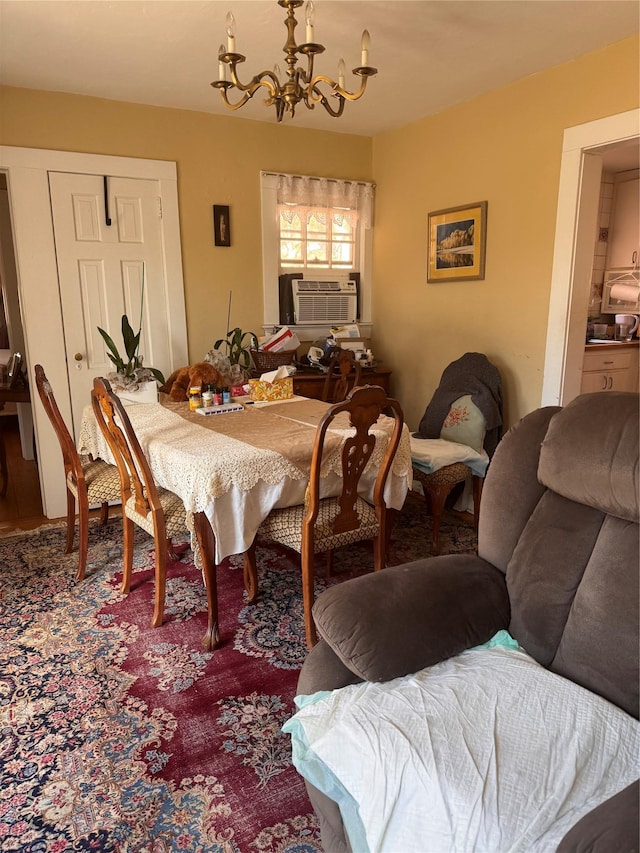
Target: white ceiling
431 54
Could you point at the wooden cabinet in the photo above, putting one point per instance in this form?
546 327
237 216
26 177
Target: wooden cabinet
624 234
310 384
610 367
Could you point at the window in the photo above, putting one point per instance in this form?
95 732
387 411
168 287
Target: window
316 239
314 224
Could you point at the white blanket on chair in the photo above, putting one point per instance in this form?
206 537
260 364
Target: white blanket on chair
485 752
431 454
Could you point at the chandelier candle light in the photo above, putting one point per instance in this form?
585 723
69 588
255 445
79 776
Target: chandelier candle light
301 85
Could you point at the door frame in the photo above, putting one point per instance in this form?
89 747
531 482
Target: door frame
27 172
577 212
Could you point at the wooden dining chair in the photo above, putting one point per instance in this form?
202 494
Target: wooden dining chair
157 511
322 524
89 482
343 375
453 417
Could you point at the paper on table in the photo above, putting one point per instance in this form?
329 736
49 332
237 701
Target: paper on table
281 373
283 339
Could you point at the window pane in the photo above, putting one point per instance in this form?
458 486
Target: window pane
316 238
316 252
291 250
341 228
342 254
317 224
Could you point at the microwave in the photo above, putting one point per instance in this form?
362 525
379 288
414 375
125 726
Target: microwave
621 292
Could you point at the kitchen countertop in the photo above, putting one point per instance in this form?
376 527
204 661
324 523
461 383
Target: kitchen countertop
613 344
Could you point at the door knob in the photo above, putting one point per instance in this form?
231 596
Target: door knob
78 356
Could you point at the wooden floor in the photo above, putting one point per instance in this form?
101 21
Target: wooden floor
22 507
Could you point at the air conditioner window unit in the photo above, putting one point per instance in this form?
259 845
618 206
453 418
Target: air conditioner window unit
322 302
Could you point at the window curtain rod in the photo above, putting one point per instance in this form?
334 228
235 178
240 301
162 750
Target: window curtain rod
316 178
313 193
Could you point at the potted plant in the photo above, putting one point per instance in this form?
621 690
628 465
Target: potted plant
131 379
232 355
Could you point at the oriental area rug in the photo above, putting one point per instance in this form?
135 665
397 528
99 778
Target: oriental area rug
115 736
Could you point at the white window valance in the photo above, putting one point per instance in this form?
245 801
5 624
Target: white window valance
316 194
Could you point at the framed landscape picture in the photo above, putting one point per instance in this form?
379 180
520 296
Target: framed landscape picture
457 242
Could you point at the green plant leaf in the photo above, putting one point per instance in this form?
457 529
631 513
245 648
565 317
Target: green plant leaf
131 340
115 357
158 375
236 348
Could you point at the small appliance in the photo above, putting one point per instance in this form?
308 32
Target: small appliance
628 320
322 302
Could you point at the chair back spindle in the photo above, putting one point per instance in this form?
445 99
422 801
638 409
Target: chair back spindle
364 405
344 373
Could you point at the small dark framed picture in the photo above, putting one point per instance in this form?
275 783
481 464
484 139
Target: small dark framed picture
457 243
221 225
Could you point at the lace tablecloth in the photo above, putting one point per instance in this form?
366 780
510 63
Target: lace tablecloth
237 467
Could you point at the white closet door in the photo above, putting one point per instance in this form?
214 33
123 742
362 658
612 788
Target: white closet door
100 270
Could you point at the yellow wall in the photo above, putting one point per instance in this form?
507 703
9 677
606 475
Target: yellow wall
219 159
504 148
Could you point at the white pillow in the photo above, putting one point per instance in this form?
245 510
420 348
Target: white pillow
465 423
487 751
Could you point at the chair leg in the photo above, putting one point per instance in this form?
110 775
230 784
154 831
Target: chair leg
329 562
104 514
127 553
172 554
478 482
380 544
83 534
437 497
251 573
306 560
391 516
160 584
71 521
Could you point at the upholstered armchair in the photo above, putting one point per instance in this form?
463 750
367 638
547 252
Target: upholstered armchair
490 701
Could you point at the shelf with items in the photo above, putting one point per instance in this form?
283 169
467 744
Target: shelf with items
308 383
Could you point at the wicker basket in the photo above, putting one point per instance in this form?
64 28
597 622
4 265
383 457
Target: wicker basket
265 361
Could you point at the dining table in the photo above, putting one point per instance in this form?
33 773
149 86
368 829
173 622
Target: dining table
232 468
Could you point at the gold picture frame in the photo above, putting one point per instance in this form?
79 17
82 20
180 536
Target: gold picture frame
457 243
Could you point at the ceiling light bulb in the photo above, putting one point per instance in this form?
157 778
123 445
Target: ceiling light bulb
366 44
341 73
231 33
222 68
309 13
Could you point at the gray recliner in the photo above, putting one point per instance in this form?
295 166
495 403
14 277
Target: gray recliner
557 565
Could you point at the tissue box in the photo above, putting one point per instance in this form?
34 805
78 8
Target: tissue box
261 391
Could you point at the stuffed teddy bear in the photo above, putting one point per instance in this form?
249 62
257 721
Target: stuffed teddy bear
200 374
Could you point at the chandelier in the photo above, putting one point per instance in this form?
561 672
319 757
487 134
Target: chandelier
300 83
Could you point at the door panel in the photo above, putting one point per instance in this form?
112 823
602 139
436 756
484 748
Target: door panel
102 272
